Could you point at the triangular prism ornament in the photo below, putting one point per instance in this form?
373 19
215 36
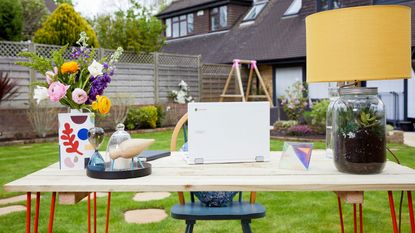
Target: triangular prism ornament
296 155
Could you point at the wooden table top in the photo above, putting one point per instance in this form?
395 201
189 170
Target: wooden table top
173 174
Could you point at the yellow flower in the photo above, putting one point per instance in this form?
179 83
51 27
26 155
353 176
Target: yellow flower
102 104
69 67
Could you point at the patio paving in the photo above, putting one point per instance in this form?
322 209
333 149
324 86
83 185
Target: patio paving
143 216
11 209
409 138
14 199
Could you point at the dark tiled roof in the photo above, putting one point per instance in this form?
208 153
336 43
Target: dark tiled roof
182 4
270 38
51 5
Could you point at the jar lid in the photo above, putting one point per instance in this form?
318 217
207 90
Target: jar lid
358 91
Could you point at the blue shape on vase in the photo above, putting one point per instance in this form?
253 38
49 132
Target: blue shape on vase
96 162
83 134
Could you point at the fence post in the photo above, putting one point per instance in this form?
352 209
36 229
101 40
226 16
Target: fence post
156 78
200 78
101 53
32 74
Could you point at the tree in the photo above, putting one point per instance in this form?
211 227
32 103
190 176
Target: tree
34 14
10 20
134 29
63 27
70 2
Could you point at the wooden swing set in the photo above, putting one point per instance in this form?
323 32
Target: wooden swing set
247 95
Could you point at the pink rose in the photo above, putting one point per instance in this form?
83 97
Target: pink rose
57 91
79 96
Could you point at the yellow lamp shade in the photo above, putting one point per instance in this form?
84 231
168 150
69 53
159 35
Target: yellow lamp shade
359 43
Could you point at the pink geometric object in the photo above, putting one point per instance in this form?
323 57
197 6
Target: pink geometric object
296 155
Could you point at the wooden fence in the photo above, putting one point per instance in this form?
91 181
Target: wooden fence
144 78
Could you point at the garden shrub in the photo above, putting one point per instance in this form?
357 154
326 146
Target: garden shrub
132 121
319 112
284 125
299 130
63 27
147 117
11 20
143 117
295 100
308 119
161 114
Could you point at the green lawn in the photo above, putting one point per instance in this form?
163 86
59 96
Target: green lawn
286 211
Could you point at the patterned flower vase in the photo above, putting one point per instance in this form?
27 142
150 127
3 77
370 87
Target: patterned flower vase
74 146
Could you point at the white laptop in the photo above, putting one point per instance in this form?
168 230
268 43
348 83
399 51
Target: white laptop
228 132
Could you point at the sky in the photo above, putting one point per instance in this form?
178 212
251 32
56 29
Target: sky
91 8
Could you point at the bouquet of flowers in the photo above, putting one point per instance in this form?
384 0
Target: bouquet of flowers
77 84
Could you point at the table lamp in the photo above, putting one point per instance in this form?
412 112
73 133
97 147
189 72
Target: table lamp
352 45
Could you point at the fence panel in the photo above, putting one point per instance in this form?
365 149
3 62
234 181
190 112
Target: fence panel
146 77
174 68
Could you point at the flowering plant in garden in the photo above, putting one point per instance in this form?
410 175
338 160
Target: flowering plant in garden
295 100
78 83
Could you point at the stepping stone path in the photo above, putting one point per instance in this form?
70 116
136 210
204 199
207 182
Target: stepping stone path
14 199
11 209
143 216
150 196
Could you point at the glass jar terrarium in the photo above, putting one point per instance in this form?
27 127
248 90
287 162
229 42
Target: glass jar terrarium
359 131
333 97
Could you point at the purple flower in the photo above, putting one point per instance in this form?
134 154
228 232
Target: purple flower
106 66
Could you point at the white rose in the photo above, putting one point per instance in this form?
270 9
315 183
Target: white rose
95 68
40 93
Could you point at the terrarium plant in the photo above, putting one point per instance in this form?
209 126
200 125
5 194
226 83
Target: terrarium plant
359 139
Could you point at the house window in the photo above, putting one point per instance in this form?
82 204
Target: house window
255 10
176 26
190 23
218 18
323 5
389 1
179 26
168 27
294 8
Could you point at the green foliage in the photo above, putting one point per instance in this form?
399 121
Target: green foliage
143 117
368 118
147 117
34 14
134 29
63 27
8 87
284 125
319 112
70 2
11 22
161 114
132 121
295 100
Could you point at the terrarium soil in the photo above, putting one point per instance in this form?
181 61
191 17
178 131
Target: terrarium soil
363 154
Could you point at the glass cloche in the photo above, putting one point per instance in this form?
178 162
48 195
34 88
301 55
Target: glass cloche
119 136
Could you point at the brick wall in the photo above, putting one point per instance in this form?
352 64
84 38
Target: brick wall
201 24
235 12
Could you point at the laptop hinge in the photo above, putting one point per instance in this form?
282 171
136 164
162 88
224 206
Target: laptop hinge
259 158
198 160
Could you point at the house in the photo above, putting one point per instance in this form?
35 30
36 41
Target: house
273 33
